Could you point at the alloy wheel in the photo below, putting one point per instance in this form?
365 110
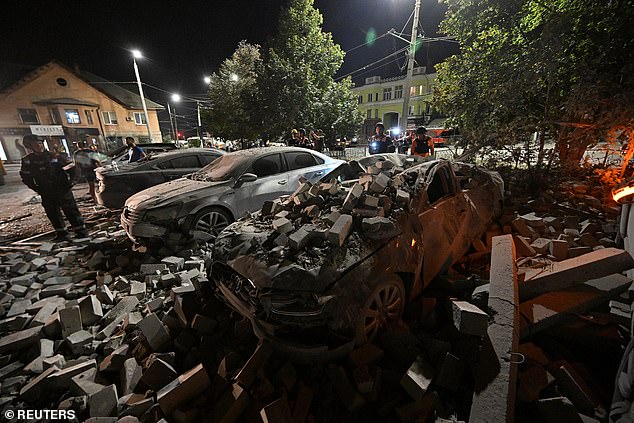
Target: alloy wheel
212 223
383 309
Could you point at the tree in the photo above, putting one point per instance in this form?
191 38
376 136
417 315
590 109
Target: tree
559 68
297 84
233 91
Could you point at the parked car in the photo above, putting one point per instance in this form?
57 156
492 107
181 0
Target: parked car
115 185
442 136
121 154
205 202
321 300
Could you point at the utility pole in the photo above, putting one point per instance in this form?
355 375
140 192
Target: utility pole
138 81
199 124
410 67
171 122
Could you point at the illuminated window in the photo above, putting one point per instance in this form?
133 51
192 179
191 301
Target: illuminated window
72 116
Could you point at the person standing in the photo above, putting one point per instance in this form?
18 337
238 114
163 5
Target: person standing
135 153
422 145
380 143
303 140
49 175
87 161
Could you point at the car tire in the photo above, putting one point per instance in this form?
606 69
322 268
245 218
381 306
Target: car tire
210 220
383 308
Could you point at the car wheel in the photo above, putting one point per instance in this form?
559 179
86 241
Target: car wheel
211 221
382 309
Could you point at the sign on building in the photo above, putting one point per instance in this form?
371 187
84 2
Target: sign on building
47 130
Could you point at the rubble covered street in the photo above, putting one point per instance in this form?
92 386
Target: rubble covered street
530 325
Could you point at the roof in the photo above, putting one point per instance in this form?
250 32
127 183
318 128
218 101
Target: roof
123 95
13 75
66 101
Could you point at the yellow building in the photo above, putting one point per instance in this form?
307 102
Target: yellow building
68 107
381 100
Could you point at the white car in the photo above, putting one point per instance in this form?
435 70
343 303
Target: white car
205 202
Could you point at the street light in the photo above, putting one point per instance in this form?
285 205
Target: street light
136 54
207 80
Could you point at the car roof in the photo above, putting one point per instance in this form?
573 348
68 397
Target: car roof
183 151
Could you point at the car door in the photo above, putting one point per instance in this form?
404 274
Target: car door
443 223
303 164
271 183
180 166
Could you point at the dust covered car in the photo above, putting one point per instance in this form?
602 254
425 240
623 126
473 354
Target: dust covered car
334 263
205 202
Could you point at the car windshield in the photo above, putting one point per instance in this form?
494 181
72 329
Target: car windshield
221 169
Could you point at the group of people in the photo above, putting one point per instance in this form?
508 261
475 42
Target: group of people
51 173
420 143
314 140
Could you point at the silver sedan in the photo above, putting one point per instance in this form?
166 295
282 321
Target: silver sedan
202 204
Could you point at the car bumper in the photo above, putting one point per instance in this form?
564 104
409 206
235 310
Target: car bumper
138 231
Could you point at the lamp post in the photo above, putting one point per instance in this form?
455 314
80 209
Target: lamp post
136 54
410 67
175 98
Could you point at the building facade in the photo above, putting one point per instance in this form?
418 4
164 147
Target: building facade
381 100
67 108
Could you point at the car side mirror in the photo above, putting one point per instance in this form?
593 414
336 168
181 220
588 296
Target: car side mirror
247 177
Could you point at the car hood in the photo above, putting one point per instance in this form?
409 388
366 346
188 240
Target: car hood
182 189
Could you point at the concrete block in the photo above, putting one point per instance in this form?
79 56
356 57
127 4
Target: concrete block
90 310
130 375
18 290
158 374
541 245
70 319
33 391
203 324
417 379
104 402
450 374
379 228
175 264
19 340
469 319
77 340
282 225
351 200
104 295
137 289
155 333
123 307
380 183
153 269
114 361
53 290
257 361
61 378
340 230
558 410
519 225
277 412
186 387
84 383
559 249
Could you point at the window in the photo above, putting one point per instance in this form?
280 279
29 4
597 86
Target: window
412 91
387 94
72 116
376 96
319 160
205 159
369 97
376 113
139 118
410 112
428 109
56 119
109 118
360 99
266 166
398 91
28 116
369 115
88 117
421 89
185 162
299 160
61 82
440 186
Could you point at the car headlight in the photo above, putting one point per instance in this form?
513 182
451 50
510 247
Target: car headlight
159 214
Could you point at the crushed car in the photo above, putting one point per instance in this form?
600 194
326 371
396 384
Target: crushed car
205 202
116 184
333 264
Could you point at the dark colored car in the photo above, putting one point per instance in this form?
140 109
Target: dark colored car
116 184
120 155
315 291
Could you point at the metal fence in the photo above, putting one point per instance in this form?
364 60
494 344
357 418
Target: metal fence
355 153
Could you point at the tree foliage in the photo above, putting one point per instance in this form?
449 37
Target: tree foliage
291 86
558 68
232 94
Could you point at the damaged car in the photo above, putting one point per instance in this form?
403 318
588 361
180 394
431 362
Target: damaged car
115 185
205 202
335 263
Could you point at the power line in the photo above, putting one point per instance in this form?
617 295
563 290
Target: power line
373 63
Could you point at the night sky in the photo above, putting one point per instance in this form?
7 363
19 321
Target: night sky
183 41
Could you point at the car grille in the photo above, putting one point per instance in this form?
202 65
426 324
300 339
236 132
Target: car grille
133 216
240 286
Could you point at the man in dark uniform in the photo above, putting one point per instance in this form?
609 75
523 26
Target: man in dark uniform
47 174
380 143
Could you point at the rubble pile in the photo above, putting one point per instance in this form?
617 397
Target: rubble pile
313 223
